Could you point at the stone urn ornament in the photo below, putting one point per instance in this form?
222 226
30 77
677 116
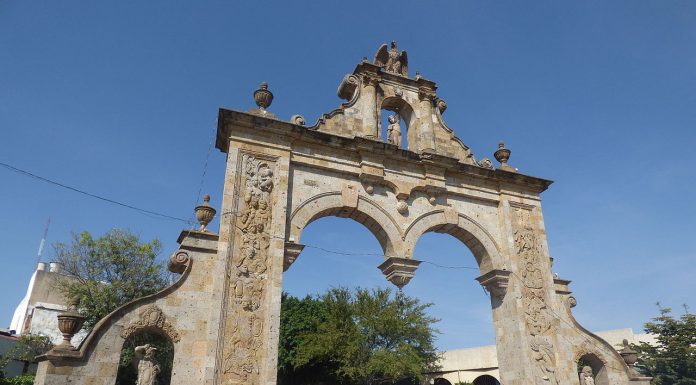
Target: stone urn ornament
629 356
263 97
69 323
205 213
502 155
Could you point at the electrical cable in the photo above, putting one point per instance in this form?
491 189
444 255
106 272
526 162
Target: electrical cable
344 253
140 210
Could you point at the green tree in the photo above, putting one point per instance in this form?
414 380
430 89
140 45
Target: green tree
109 271
368 337
27 347
298 317
672 361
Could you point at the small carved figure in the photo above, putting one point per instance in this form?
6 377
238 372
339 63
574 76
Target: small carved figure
392 60
148 367
394 130
586 376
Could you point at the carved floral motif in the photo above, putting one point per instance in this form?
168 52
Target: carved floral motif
243 333
534 299
151 317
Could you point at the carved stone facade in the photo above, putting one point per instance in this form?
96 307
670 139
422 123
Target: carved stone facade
246 290
151 318
283 175
538 317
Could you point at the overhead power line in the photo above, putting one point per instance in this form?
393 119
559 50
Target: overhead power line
50 181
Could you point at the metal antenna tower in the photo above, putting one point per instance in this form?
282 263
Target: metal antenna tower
43 240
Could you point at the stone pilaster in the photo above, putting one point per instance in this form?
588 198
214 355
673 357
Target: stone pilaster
426 134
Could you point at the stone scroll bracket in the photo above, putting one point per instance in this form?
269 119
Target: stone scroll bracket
495 282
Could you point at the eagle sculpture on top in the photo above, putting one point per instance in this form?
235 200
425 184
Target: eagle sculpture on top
392 60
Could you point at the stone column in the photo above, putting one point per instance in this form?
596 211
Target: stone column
426 134
368 105
256 186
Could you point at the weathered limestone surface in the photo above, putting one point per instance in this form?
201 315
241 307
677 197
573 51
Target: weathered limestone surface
187 313
224 313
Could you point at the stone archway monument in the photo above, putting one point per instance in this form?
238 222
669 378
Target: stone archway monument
282 175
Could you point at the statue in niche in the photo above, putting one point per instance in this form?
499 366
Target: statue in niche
148 367
586 376
394 130
392 60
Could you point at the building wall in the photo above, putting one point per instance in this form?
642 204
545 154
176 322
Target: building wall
465 365
37 311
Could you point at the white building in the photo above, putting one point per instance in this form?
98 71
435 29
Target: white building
479 365
37 311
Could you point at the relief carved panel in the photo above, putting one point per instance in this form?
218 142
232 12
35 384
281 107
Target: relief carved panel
151 317
248 274
537 318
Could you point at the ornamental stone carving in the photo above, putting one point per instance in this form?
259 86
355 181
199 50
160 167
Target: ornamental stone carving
178 261
394 130
151 317
148 367
244 326
586 376
534 299
392 60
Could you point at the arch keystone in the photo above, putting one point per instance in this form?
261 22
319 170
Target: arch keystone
349 196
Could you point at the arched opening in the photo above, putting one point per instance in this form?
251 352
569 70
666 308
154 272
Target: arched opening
441 381
590 365
396 118
446 278
339 252
486 380
146 351
319 267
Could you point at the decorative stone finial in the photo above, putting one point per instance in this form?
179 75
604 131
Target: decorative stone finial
205 213
69 323
263 97
629 355
502 155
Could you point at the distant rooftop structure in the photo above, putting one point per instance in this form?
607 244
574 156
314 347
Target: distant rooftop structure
37 311
479 365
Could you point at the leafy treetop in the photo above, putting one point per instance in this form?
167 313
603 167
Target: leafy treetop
109 271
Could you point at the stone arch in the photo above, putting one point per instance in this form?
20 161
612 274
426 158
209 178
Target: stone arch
598 366
472 234
441 381
405 111
164 354
362 210
486 379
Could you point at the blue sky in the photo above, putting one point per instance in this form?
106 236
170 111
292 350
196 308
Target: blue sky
120 99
